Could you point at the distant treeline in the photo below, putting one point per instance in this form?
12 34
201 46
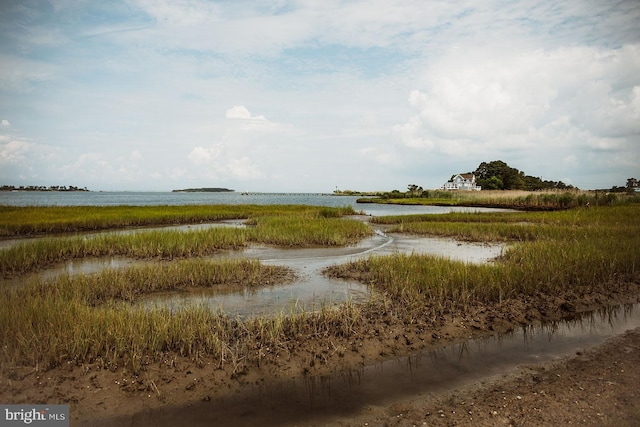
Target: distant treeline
633 185
204 190
42 188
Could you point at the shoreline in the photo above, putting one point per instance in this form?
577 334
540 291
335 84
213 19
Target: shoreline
106 397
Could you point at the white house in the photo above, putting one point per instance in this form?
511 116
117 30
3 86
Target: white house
462 181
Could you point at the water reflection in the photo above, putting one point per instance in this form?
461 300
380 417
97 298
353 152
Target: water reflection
318 400
450 367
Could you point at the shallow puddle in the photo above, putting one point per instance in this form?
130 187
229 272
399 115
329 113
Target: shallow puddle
316 400
452 249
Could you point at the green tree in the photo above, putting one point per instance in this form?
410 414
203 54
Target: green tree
493 183
499 175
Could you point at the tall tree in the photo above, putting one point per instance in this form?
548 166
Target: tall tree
499 175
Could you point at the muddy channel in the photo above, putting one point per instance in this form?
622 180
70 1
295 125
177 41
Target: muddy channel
325 400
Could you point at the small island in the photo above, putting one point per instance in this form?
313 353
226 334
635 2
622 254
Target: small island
204 190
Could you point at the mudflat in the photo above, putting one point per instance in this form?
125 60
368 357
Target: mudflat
594 386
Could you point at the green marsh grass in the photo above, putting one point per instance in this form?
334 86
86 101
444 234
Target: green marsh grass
516 199
33 255
20 221
300 231
284 226
93 318
553 252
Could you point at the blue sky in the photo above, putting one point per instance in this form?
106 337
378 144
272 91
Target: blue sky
311 95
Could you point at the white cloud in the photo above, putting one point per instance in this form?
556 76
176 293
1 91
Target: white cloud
201 155
485 101
14 152
380 155
136 155
241 119
239 151
243 169
239 112
412 134
5 123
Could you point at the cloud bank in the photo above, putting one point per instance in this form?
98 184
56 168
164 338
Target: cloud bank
307 96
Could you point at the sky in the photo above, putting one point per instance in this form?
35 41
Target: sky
316 95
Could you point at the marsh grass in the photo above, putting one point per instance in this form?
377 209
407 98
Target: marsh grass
300 231
524 200
32 255
21 221
286 226
93 318
487 227
558 251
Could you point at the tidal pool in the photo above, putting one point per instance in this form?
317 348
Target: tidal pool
312 290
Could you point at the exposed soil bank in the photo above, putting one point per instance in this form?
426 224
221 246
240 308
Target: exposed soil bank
594 387
192 392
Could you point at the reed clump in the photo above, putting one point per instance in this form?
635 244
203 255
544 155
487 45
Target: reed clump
88 318
300 231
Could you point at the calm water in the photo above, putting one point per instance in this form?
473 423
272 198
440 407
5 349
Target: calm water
107 198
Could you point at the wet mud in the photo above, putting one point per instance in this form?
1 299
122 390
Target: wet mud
320 400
